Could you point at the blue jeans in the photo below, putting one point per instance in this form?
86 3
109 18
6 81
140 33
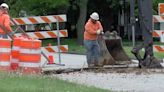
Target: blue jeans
3 36
93 51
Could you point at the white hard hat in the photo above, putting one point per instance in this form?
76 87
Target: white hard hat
5 5
95 16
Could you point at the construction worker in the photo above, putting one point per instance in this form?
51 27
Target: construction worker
93 28
4 20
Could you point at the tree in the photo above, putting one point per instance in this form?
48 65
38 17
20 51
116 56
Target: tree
34 7
81 20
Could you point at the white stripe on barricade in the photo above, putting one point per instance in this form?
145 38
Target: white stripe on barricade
15 60
30 51
25 64
4 63
7 50
15 48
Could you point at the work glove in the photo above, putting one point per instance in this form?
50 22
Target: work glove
98 31
101 33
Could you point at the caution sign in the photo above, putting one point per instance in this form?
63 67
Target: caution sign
162 37
161 8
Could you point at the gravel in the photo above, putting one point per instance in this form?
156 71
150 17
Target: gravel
124 82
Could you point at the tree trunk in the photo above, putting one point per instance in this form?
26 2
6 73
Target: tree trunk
81 20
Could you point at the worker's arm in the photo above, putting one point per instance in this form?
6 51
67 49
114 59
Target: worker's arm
100 29
100 26
7 23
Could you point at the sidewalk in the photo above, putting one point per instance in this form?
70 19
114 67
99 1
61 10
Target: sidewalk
71 61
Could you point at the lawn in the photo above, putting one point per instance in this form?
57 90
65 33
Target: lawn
40 83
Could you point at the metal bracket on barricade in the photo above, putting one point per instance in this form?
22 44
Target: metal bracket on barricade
58 42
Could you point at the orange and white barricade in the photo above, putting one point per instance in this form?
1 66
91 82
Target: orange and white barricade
15 53
5 51
30 56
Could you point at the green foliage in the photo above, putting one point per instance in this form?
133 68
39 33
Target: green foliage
155 6
44 7
34 7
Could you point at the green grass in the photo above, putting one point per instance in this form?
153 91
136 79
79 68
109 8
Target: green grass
128 51
36 83
73 46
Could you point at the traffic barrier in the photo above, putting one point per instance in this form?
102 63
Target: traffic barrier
158 33
15 53
30 56
45 34
5 51
39 19
54 49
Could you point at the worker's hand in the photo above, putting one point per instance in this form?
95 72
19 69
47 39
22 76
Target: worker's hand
101 33
98 31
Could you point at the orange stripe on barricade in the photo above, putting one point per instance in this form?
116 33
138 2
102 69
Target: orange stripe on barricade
63 49
64 33
20 21
15 53
155 34
53 35
46 19
4 56
49 49
32 20
159 49
30 44
34 58
58 18
39 35
16 41
5 43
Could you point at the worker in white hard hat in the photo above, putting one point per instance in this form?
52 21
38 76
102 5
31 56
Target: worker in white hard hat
4 20
93 28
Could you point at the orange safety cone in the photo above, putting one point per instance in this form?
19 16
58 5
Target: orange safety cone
50 56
